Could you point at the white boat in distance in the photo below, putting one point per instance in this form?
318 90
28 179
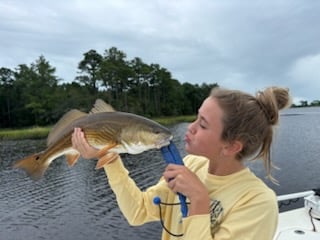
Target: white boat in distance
301 223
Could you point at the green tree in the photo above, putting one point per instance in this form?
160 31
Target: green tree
35 87
6 97
73 96
303 103
90 69
191 99
161 87
194 96
140 84
32 95
315 103
117 76
171 97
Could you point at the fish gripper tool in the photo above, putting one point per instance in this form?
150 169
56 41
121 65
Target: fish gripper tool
171 154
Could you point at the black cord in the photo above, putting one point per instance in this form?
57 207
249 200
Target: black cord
161 219
162 223
311 218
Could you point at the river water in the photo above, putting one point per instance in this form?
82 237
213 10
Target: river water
77 203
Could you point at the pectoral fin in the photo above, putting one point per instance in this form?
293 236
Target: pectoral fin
105 150
105 156
109 157
72 159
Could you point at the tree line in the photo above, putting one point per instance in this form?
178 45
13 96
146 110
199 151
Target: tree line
33 95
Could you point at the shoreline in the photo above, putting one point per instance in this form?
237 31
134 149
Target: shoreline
38 132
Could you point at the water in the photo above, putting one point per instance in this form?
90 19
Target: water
77 203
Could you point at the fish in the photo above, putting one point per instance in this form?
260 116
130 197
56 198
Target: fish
110 131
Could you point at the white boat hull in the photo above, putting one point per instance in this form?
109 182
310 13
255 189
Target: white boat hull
297 224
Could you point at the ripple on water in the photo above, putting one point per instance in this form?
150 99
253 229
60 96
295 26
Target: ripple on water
67 203
77 203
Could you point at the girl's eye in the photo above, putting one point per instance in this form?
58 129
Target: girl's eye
203 126
201 123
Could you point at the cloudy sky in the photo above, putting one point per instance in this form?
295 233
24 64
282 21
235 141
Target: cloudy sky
241 44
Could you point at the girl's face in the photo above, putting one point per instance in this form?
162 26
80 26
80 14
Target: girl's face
203 135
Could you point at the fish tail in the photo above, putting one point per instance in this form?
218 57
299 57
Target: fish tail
33 165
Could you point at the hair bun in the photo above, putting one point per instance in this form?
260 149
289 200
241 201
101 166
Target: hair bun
271 100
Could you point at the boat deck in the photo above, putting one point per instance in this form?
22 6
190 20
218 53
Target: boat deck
297 225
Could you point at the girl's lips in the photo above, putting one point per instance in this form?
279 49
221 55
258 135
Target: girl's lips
187 138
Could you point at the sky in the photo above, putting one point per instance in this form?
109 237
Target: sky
239 44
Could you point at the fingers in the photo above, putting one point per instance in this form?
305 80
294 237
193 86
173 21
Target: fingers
181 179
171 171
75 137
177 177
80 143
176 184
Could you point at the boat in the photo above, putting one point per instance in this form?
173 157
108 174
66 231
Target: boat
302 223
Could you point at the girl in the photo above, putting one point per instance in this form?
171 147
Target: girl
226 200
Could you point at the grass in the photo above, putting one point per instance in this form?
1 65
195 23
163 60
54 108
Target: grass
42 132
25 133
173 120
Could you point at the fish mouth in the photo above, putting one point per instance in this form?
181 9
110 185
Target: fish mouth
164 142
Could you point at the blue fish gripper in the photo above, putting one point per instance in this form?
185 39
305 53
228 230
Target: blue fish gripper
171 154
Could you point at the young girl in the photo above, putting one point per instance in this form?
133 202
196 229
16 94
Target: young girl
226 200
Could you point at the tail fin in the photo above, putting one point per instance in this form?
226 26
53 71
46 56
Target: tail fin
33 165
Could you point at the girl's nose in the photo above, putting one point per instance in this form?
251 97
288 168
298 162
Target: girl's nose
191 128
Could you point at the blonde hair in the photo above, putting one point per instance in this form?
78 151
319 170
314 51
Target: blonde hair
250 120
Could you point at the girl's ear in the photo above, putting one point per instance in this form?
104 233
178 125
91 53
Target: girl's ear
232 148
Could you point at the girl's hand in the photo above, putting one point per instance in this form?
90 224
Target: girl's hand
181 179
80 143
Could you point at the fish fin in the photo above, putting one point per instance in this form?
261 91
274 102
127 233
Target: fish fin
101 106
57 131
33 166
72 159
109 157
105 150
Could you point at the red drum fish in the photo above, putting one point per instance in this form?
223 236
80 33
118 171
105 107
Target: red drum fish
109 131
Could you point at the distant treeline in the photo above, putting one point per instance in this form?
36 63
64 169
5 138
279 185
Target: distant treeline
33 95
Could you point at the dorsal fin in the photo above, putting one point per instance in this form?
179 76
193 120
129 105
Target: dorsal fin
61 125
101 106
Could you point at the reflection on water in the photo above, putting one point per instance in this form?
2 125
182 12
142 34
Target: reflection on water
77 203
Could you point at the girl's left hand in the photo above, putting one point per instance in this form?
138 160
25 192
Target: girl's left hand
181 179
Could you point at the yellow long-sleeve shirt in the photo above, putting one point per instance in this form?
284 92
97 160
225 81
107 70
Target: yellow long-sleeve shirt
242 206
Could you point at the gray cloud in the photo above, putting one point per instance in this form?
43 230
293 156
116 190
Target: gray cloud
247 45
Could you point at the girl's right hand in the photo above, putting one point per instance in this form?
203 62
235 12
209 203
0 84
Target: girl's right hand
80 143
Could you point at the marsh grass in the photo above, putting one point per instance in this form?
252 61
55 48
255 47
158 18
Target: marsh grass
26 133
174 120
42 132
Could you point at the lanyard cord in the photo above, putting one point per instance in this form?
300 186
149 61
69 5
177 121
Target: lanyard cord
158 202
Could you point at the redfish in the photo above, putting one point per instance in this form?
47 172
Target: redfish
104 128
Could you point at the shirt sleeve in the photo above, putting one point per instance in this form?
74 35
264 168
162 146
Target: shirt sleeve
137 206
